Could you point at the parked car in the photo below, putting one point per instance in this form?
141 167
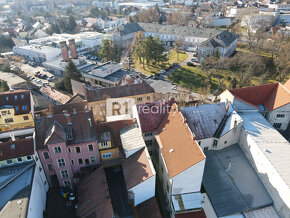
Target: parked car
190 64
162 71
194 59
171 67
174 64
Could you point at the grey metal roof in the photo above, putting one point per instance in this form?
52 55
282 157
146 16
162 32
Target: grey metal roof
273 145
236 190
205 119
224 39
131 138
15 193
168 29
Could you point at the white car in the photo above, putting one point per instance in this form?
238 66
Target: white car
194 59
162 71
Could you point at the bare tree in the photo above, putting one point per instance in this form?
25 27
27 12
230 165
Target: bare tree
282 62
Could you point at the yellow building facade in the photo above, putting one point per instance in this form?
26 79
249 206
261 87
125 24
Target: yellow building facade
9 121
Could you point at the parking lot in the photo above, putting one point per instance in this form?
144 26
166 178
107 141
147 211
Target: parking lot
38 80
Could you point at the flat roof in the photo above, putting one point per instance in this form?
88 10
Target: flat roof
231 183
273 145
131 138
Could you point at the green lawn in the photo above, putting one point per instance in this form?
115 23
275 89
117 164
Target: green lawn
192 78
263 54
172 57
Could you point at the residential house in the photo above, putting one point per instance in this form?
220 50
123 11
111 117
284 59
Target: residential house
53 95
214 126
179 163
66 143
20 100
192 37
94 197
109 141
23 185
140 176
271 100
117 100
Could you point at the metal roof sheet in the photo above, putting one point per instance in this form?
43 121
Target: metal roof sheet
273 145
236 188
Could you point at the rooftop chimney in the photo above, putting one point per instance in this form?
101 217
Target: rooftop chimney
72 48
12 137
64 51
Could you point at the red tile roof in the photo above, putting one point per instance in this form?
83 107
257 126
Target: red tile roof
149 208
15 149
137 168
272 96
114 128
151 114
287 84
178 147
94 197
19 102
195 214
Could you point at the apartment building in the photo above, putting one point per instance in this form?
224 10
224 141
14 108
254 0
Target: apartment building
65 144
179 163
270 100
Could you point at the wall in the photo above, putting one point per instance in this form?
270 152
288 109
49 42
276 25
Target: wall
272 116
37 201
188 180
275 185
144 190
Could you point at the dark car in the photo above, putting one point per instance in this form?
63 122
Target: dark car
190 64
171 67
166 69
174 64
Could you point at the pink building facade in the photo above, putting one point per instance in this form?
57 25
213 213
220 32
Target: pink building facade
66 143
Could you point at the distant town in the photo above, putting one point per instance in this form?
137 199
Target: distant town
144 109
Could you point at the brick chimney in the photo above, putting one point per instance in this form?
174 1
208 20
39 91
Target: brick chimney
64 51
72 48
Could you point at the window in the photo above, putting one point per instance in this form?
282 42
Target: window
78 149
226 142
40 168
93 159
87 162
64 173
16 108
28 157
12 146
148 134
49 167
7 98
280 115
9 161
22 96
66 183
60 162
205 149
106 155
90 146
215 143
69 150
277 125
104 144
9 120
15 97
139 99
19 159
80 160
148 97
199 142
149 142
72 162
45 155
24 107
57 150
